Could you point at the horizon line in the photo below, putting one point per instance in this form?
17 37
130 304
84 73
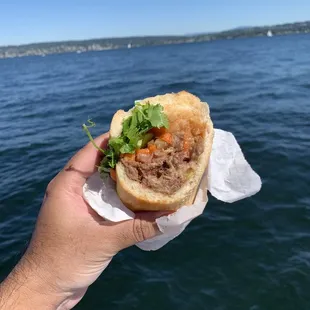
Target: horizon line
143 36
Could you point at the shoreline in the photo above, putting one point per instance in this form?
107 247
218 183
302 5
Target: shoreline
93 45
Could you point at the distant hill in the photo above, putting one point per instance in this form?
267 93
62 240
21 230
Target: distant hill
242 28
42 49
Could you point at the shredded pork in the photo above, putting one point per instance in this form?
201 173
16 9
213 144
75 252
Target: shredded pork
166 169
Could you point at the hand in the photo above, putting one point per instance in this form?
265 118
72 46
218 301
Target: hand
71 244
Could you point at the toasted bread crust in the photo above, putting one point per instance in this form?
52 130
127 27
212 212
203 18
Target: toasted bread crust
184 106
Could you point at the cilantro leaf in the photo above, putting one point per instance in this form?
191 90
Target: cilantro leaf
128 148
126 125
157 117
116 144
135 133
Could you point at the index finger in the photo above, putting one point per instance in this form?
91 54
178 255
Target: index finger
83 163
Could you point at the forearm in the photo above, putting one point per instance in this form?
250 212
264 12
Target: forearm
25 289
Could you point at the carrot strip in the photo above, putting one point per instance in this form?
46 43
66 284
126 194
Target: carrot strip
158 131
113 174
167 137
152 148
143 151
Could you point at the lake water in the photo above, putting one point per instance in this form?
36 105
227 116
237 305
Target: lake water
253 254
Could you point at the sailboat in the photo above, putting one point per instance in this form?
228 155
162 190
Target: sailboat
129 45
269 33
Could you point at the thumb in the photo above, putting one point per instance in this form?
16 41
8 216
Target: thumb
141 228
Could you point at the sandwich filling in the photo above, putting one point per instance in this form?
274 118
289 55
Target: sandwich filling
167 163
160 155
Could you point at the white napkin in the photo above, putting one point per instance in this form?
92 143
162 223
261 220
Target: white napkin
228 178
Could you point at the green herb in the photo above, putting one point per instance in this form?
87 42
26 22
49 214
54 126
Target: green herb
147 138
134 134
85 128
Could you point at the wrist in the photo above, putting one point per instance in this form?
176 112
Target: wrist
28 288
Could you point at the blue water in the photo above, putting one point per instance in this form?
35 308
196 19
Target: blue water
253 254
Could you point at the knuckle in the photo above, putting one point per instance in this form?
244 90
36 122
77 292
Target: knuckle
49 187
141 230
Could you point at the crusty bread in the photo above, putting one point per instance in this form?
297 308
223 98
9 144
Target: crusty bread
177 106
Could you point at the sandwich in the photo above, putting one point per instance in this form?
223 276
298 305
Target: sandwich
158 151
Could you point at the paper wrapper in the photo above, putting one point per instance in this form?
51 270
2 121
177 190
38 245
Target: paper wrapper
228 178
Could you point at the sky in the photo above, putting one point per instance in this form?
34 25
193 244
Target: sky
29 21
